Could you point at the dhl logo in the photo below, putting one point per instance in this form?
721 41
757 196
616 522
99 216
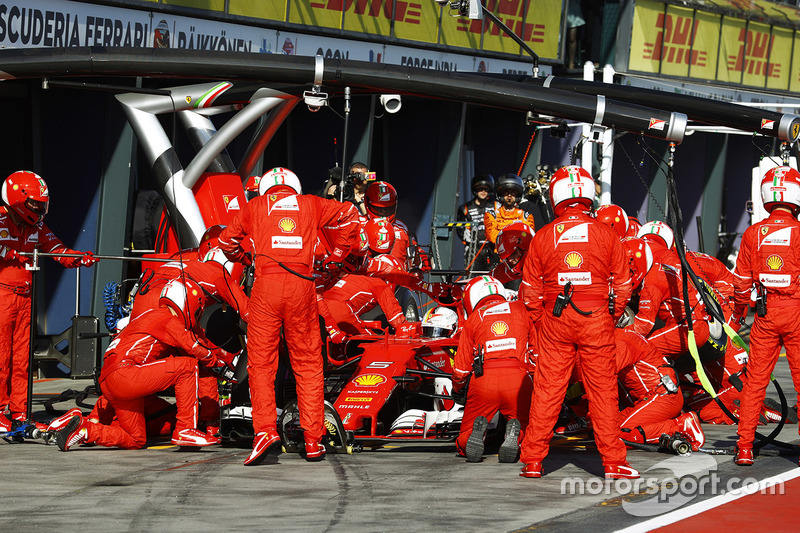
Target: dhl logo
287 225
753 55
674 42
410 12
369 380
774 262
499 328
573 260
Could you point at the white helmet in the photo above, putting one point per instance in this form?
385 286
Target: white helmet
218 256
572 184
781 186
659 229
440 322
279 177
480 288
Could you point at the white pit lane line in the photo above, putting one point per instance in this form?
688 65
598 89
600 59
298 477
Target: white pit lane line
699 507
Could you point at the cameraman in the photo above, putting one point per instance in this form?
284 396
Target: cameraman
358 178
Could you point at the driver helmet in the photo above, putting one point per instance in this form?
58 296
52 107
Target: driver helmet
439 323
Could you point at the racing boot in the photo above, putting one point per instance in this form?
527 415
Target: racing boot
475 443
743 455
315 451
193 437
509 450
623 471
60 422
689 424
265 442
533 469
74 433
5 424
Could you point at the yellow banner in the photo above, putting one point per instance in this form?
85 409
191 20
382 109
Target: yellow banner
272 10
369 16
210 5
645 54
537 22
794 73
322 13
731 50
461 32
756 43
674 41
705 47
780 59
417 21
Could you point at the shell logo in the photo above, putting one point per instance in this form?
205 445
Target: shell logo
573 260
774 262
499 328
287 225
369 380
4 234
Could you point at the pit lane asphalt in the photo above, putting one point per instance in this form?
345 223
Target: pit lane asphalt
394 488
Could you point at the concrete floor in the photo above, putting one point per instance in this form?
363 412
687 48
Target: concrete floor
394 488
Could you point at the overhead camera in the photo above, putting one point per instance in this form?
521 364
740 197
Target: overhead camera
315 100
391 102
560 131
463 8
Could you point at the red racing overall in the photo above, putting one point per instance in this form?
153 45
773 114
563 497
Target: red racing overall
142 361
769 255
640 368
575 248
283 228
15 305
504 332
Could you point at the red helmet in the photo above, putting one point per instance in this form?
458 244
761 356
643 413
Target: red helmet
185 297
657 232
482 289
380 235
633 227
279 179
26 194
209 240
640 258
779 187
614 216
512 244
251 187
380 200
570 185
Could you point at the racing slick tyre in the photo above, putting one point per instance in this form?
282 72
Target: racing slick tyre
409 303
336 439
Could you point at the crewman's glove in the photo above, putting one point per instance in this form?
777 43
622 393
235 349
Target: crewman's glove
239 256
736 322
335 335
88 259
334 263
441 292
424 260
226 365
10 254
460 396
